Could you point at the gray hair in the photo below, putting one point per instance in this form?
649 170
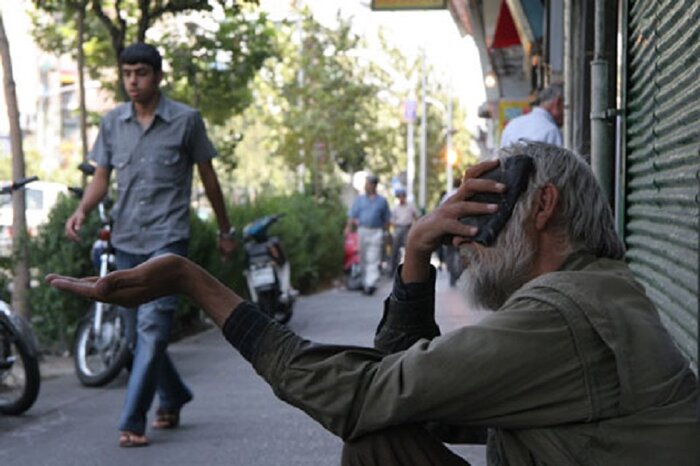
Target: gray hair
583 213
549 93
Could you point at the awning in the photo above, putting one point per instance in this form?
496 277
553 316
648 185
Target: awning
506 34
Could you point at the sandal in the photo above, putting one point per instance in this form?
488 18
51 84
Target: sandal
129 440
166 419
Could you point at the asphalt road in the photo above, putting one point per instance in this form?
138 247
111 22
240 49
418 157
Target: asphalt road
234 419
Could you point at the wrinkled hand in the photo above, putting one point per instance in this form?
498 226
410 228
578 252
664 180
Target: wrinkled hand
160 276
431 230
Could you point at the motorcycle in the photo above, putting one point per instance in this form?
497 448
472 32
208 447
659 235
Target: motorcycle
351 261
105 336
19 354
267 270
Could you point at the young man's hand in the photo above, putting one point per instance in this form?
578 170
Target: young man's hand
431 230
74 224
227 246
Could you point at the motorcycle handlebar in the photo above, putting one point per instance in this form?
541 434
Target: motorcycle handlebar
19 184
78 192
87 168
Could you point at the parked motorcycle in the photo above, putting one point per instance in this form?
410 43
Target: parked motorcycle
267 270
105 336
19 354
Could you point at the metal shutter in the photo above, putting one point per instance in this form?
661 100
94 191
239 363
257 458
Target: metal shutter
663 159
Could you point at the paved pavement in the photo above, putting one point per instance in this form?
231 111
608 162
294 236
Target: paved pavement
235 418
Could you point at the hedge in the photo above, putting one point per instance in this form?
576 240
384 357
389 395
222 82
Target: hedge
310 231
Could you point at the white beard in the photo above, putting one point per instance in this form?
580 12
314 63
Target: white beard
494 273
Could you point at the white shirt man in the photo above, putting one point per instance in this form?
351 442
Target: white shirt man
542 123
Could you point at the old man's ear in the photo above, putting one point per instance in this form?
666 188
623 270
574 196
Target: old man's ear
546 201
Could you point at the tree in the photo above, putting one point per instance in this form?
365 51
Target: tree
211 60
213 66
20 250
325 109
324 117
113 24
79 6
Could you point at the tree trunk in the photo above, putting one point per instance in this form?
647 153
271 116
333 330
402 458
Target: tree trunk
81 84
20 249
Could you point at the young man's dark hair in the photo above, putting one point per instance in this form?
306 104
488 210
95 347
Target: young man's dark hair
142 53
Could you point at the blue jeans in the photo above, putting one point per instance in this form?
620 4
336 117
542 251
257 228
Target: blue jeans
152 369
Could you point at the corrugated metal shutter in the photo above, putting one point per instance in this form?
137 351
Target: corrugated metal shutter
663 159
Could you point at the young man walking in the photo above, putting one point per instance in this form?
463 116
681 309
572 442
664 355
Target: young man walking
152 143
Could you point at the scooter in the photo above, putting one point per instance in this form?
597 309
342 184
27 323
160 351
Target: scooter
267 270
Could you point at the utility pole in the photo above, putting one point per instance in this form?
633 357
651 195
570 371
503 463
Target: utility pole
449 154
301 168
423 136
410 116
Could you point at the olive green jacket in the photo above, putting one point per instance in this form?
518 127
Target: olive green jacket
575 369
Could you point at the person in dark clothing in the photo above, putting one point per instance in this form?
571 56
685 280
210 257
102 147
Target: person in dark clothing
573 367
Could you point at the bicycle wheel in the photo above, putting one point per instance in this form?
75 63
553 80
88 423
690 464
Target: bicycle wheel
99 357
19 373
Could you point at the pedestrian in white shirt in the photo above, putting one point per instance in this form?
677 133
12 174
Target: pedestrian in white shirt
542 123
402 217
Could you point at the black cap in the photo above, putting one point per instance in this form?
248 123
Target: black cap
374 179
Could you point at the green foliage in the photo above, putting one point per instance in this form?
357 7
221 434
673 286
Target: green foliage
212 69
210 66
56 314
323 107
55 30
310 231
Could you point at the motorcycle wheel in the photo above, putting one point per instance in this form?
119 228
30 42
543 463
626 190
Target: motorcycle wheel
284 312
267 302
19 374
98 359
271 306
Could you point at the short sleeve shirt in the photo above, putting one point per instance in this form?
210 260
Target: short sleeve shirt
153 172
370 212
538 125
403 214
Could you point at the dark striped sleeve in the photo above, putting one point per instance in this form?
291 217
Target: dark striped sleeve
244 328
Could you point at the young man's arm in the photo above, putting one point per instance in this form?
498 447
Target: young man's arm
227 243
93 194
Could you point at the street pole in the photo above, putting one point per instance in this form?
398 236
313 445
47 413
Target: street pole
423 136
448 154
602 161
301 168
410 157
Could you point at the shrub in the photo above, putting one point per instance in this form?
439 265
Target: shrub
310 231
56 314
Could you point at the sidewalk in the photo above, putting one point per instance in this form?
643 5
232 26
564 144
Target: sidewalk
235 418
51 366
